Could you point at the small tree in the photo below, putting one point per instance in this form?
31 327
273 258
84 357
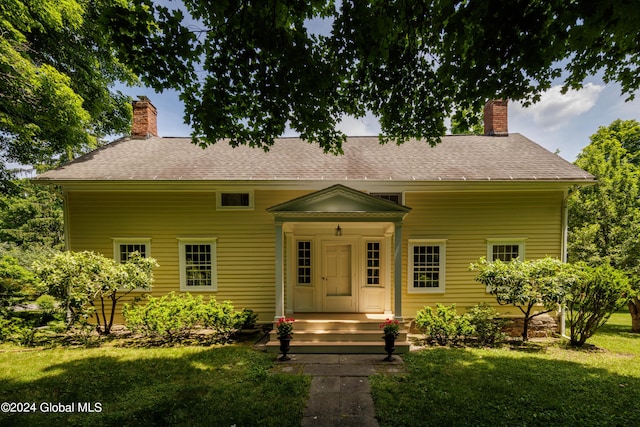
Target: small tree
593 296
78 279
135 273
535 287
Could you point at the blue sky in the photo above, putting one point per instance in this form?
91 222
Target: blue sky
557 122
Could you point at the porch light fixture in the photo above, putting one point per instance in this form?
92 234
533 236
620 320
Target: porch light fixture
338 231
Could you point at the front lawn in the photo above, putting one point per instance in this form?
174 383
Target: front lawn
221 386
537 385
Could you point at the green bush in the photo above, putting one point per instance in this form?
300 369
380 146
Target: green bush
175 316
15 330
444 324
48 308
594 295
487 326
248 318
222 319
171 316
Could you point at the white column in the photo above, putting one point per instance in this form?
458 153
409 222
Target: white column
397 271
279 272
388 239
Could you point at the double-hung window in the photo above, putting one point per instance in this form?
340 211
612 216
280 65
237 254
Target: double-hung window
427 266
198 270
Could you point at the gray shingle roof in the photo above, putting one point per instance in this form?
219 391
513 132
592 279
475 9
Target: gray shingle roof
456 158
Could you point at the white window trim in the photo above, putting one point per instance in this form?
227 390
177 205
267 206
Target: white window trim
182 241
442 243
219 206
520 241
117 241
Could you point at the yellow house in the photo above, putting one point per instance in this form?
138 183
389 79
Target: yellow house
381 230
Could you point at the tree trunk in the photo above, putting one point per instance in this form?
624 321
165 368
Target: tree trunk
634 309
525 329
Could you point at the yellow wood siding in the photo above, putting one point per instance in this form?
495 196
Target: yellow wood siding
466 221
245 239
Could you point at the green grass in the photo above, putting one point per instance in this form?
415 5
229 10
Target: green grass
537 385
615 335
221 386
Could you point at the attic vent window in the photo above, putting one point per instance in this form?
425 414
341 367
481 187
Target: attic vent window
392 197
235 200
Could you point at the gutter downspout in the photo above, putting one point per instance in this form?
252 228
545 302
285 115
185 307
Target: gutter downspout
65 219
563 250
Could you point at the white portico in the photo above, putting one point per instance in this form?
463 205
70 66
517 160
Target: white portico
338 250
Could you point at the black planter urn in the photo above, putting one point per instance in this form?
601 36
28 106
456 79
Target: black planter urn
285 346
389 346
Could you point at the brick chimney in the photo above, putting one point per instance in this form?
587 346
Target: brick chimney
496 118
145 118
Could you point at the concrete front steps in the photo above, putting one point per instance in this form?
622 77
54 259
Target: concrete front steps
338 334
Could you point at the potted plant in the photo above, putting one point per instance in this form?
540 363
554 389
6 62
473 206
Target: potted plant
391 330
284 331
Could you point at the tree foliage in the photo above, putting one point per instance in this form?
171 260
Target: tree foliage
467 122
16 284
57 70
79 279
604 220
536 287
31 216
246 69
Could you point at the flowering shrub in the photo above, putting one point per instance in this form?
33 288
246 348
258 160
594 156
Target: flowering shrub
391 328
284 327
174 317
444 324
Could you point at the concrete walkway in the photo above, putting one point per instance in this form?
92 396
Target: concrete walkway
340 393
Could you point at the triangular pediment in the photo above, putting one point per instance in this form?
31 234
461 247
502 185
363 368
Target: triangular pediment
339 200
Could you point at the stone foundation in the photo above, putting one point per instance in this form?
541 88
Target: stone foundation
543 326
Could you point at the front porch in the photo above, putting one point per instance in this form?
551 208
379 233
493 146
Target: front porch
338 250
338 333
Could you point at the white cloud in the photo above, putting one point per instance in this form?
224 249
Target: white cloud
555 109
363 126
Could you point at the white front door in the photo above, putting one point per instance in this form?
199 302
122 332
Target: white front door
338 284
